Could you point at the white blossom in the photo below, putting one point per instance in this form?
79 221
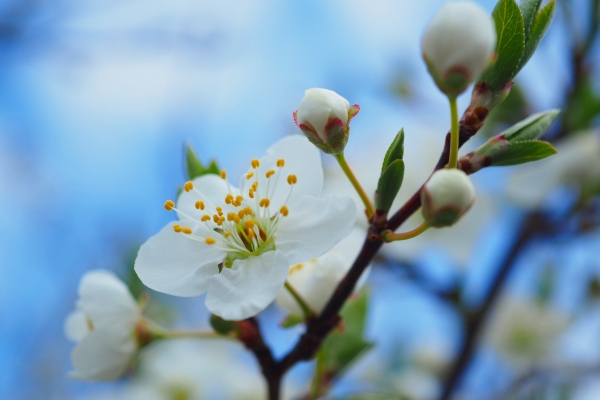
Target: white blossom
458 44
415 384
446 196
238 244
103 327
316 280
324 117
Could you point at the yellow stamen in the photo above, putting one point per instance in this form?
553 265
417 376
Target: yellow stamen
188 186
292 179
205 218
231 216
280 162
255 185
227 200
270 173
250 223
239 198
186 230
264 202
255 163
177 228
200 205
248 211
250 233
241 213
169 204
296 267
251 193
249 175
284 211
210 240
224 174
216 218
227 234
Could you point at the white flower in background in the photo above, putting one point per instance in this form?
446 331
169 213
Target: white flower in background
432 354
577 165
415 384
457 242
446 196
525 331
457 45
316 280
238 244
324 117
103 325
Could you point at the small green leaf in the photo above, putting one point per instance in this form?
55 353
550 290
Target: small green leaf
213 168
532 127
193 166
291 321
395 151
343 347
538 30
389 184
511 43
523 152
220 325
529 9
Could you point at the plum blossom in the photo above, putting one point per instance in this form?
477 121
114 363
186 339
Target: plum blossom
316 280
103 327
446 196
237 244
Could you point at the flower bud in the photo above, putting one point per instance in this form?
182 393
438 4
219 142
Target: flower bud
324 117
446 196
458 45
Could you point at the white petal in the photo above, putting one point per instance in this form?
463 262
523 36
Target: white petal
102 356
171 263
106 300
213 189
301 159
76 326
314 226
248 287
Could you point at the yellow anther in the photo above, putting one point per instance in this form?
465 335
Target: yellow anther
221 220
216 218
255 185
188 186
227 234
280 162
250 223
250 234
236 219
227 200
249 175
230 216
199 205
284 211
241 213
248 211
264 202
255 163
296 267
239 198
186 230
169 204
251 193
224 174
292 179
205 218
177 228
270 173
210 240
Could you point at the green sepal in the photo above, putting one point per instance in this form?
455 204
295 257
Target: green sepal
344 346
529 9
291 321
221 326
523 152
395 151
538 30
389 184
532 127
510 32
194 167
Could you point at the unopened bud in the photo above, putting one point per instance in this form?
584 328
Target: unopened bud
446 196
324 117
457 45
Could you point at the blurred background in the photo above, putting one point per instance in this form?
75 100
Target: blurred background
98 99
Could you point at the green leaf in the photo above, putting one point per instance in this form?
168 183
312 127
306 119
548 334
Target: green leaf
389 184
291 321
193 166
213 168
523 152
529 9
343 346
220 325
509 48
538 30
532 127
395 151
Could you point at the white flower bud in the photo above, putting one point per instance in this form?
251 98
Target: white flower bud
446 196
458 45
324 117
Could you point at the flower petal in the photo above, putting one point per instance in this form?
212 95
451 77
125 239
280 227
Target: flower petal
76 326
102 355
314 226
106 301
301 159
248 287
173 264
213 189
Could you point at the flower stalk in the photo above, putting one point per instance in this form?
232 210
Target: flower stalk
454 132
357 186
306 310
389 236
